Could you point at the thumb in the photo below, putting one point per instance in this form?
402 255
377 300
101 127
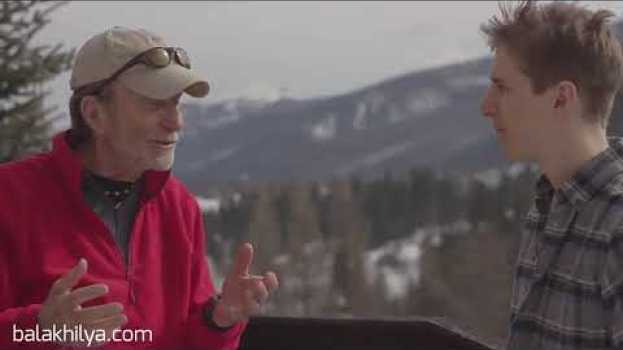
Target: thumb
243 260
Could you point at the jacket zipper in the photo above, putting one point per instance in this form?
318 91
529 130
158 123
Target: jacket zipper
129 275
129 271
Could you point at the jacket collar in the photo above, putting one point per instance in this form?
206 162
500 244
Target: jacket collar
70 168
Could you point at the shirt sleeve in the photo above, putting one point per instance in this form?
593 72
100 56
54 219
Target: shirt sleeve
199 334
14 319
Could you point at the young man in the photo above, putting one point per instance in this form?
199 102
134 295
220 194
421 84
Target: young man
556 71
97 235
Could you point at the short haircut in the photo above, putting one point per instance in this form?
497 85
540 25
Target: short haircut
561 41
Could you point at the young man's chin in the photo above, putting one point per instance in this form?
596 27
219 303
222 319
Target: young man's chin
518 157
512 155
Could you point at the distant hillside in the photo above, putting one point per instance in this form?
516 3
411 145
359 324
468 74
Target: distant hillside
429 118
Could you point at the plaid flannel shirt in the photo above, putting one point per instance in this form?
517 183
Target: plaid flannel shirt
567 289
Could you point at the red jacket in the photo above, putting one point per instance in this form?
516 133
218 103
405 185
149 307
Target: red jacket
46 226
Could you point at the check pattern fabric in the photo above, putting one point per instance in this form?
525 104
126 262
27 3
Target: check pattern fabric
568 281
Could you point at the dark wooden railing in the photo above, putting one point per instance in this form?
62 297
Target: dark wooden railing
280 333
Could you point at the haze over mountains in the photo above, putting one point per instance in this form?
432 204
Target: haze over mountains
429 118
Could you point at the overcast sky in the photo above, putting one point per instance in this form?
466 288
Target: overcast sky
300 49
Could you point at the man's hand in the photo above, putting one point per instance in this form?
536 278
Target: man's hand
243 294
63 305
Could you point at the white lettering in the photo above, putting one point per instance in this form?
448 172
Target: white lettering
18 334
78 334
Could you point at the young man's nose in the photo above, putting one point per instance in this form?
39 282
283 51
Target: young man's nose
487 107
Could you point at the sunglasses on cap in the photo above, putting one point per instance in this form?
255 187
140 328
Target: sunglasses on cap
156 57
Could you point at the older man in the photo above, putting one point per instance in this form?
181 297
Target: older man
98 236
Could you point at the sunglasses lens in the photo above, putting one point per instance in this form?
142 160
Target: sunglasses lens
182 57
158 57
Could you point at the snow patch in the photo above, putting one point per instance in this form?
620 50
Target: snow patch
376 157
359 121
490 178
397 263
220 121
209 205
468 82
325 129
426 101
263 92
375 101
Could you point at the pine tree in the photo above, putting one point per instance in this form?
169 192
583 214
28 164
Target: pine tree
303 224
305 245
25 121
424 201
264 230
478 210
348 224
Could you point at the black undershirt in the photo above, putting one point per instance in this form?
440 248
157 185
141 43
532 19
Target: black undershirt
116 203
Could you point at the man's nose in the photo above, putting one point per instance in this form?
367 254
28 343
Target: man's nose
487 107
174 119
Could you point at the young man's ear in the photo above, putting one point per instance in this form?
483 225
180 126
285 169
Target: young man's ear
566 95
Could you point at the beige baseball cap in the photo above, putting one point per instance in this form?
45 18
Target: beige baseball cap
105 53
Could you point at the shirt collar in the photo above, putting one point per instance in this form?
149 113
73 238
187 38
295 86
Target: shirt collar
543 194
594 174
70 168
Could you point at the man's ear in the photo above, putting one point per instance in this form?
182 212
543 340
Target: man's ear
93 113
565 95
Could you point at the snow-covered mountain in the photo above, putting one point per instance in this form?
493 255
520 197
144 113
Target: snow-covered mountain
430 119
427 118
